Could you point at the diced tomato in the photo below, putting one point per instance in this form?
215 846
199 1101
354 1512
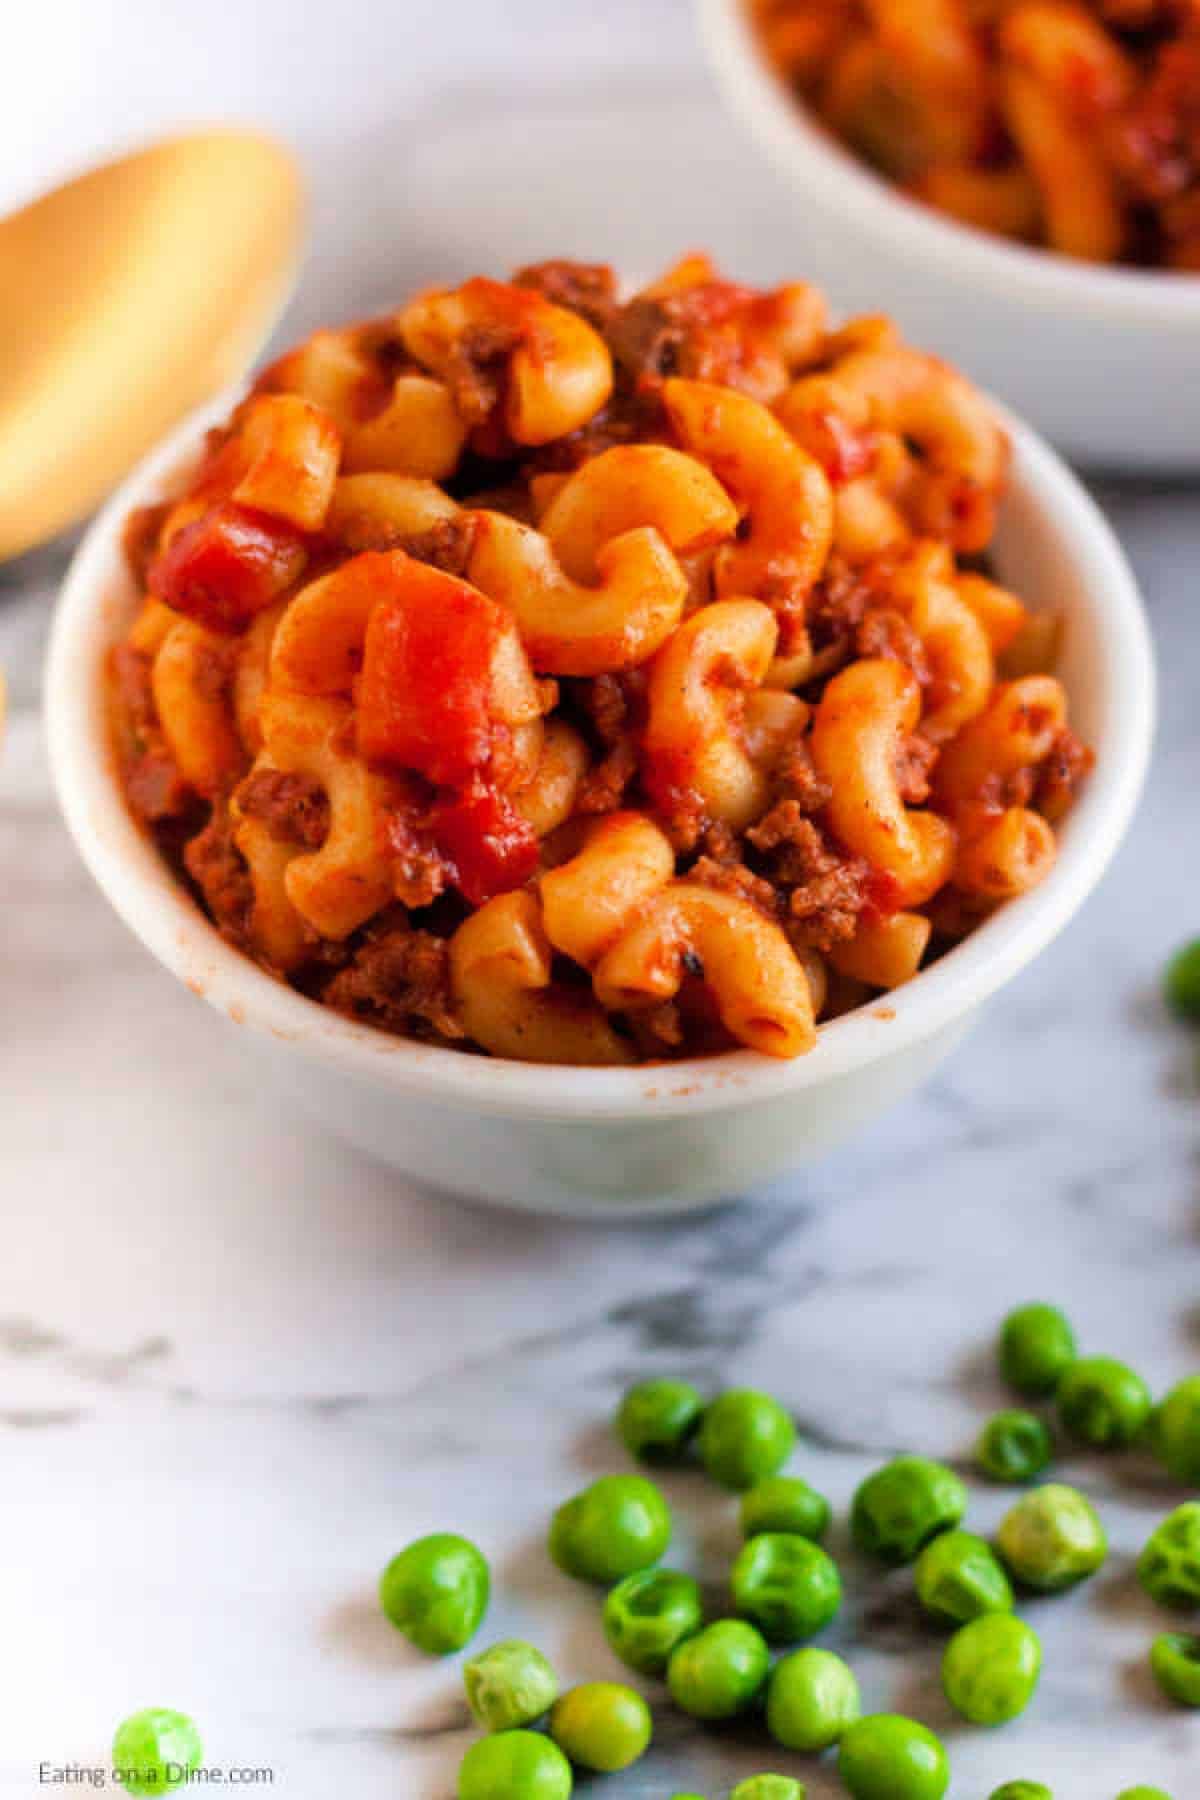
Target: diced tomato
488 845
425 697
883 893
226 566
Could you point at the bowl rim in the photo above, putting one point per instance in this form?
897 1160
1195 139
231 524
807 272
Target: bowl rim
837 180
130 871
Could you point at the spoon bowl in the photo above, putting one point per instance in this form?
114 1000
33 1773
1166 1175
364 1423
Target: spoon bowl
131 295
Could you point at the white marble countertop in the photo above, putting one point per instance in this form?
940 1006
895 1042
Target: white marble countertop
239 1367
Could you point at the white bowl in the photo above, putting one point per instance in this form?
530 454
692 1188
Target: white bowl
1105 361
616 1142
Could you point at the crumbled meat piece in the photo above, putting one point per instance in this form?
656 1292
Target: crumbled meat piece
912 766
294 808
827 890
419 872
1061 775
478 367
796 778
887 633
216 865
447 545
399 978
589 289
728 877
603 787
154 782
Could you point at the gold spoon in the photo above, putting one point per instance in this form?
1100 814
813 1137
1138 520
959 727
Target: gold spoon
126 298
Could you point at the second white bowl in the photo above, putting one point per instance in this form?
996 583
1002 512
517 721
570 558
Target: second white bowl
1105 361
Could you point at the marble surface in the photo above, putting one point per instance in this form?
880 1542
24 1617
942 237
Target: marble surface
239 1368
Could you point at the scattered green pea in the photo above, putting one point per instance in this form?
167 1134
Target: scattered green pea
658 1419
991 1668
1169 1565
601 1725
619 1524
959 1577
1052 1538
509 1685
1177 1432
156 1750
436 1592
1143 1793
784 1503
720 1671
811 1698
649 1614
515 1765
1175 1663
1037 1347
768 1787
788 1586
886 1757
744 1437
1103 1402
1014 1446
1181 983
1022 1790
899 1508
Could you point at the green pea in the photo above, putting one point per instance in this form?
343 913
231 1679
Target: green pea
1052 1538
959 1577
509 1685
1143 1793
787 1585
619 1524
991 1668
1175 1662
1169 1566
1014 1446
649 1614
744 1437
1181 983
1177 1432
811 1698
601 1725
1022 1790
768 1787
515 1765
784 1503
658 1419
899 1508
1103 1403
436 1592
720 1671
1037 1347
156 1750
886 1757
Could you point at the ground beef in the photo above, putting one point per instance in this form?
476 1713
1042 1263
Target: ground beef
447 545
603 787
419 872
589 289
796 779
478 368
1061 775
887 633
728 876
293 808
154 783
912 766
399 979
826 891
217 867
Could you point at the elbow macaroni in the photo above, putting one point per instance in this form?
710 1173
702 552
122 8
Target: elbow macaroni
1059 122
637 746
